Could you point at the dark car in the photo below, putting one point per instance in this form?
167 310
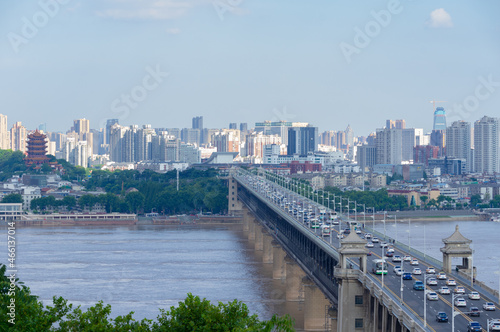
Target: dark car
474 311
389 254
347 231
442 317
474 326
407 276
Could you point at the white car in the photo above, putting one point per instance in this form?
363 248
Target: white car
414 262
340 236
444 290
459 290
489 306
396 267
441 276
390 249
416 271
430 270
368 235
474 296
383 244
407 258
375 240
494 325
432 282
369 245
460 302
451 282
399 272
358 231
396 258
432 296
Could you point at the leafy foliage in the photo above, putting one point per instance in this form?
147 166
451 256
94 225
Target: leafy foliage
12 198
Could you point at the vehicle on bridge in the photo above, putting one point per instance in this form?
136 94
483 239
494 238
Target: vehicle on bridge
418 285
451 282
432 296
441 276
474 326
379 266
474 296
444 290
474 311
489 306
442 317
407 276
460 302
494 325
430 270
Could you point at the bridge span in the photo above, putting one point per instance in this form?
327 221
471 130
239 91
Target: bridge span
332 275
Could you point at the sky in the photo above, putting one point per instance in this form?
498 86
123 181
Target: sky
329 63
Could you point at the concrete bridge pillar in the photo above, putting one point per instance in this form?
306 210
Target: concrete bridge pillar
267 256
294 275
316 307
279 270
247 217
259 244
251 229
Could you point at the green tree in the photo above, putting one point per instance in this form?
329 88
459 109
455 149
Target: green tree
475 200
201 315
424 199
69 202
135 201
12 198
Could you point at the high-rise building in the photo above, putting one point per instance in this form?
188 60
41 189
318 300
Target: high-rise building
81 126
233 125
389 146
422 154
395 124
4 133
243 127
302 140
274 128
109 124
349 136
458 142
327 138
366 155
191 136
18 137
438 138
227 140
486 145
256 142
439 119
197 123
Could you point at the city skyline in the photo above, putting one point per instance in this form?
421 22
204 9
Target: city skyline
255 61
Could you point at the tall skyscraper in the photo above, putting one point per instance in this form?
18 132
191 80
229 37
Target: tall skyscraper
349 136
439 119
395 124
389 146
243 126
109 124
458 142
302 140
82 126
4 133
197 123
486 145
18 137
233 125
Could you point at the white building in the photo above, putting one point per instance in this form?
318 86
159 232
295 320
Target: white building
486 145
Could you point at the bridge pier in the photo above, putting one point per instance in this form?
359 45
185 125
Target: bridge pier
259 244
267 255
251 229
279 270
294 276
315 307
247 218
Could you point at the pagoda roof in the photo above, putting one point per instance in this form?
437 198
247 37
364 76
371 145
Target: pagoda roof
456 237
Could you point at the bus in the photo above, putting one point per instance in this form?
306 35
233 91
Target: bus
379 266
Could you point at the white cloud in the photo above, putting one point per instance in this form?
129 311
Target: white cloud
148 9
173 31
440 19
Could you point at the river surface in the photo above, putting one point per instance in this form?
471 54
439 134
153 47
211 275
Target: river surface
143 268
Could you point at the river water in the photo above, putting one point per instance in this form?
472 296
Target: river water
146 267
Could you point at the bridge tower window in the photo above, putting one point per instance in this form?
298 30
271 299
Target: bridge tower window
358 300
358 323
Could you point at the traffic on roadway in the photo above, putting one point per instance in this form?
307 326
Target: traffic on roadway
420 287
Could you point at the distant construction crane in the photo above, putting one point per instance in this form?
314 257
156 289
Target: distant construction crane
436 101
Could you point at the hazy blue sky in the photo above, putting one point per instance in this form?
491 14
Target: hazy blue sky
248 61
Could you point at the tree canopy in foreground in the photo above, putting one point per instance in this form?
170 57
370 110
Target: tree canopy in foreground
193 314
